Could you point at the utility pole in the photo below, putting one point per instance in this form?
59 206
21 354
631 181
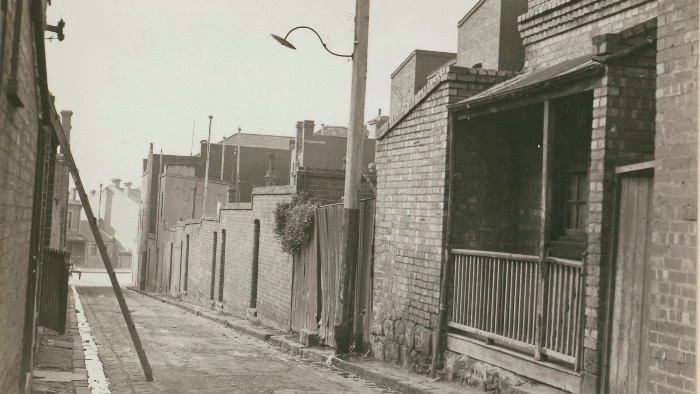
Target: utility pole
206 170
353 171
238 168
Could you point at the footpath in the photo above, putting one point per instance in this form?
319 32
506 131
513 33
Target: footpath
60 360
366 368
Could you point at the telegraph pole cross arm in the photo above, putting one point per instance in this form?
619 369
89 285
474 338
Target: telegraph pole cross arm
63 141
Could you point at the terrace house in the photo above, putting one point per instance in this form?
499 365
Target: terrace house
545 225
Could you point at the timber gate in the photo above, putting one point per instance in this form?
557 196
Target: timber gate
53 290
315 276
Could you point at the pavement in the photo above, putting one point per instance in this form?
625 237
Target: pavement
60 361
366 368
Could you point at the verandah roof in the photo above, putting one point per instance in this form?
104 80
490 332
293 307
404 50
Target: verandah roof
530 84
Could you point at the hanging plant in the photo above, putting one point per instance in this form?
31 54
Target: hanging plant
294 220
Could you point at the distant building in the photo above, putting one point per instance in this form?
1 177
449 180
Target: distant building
173 186
116 208
325 148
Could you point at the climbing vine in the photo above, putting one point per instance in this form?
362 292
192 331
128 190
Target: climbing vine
294 220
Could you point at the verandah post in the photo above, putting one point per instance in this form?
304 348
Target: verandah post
545 224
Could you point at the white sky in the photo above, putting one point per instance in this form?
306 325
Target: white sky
135 72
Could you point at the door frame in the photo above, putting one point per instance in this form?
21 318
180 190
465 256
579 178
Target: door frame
637 169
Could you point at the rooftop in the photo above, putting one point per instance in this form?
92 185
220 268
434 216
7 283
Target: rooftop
259 140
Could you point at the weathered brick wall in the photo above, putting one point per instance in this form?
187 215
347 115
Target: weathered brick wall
478 38
238 222
329 185
410 210
554 31
674 237
622 133
497 182
18 149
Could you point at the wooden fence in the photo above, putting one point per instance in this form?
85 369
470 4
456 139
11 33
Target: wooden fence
315 276
53 290
497 296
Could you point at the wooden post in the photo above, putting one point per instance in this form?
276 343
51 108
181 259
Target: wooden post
545 224
353 171
103 252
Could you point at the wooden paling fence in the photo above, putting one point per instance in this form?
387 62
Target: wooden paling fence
497 296
330 238
315 276
53 290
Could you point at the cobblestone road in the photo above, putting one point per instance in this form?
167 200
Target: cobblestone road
191 354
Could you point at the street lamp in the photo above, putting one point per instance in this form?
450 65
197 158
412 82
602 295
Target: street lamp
344 313
288 44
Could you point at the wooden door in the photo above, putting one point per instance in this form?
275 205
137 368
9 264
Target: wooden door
627 371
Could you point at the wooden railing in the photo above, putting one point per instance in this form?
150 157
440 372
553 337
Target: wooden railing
496 296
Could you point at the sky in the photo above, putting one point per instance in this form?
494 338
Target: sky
141 72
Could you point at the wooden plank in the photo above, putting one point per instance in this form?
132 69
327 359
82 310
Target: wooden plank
492 337
497 255
567 262
548 373
647 165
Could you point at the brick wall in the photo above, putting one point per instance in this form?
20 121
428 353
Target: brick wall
555 31
497 182
238 221
18 149
410 209
329 185
478 36
674 237
413 74
622 133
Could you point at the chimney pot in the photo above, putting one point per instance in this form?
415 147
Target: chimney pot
115 182
308 129
66 122
127 187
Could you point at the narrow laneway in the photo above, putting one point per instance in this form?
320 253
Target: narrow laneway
191 354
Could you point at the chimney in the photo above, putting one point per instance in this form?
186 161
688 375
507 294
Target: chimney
74 193
376 124
92 192
308 129
127 187
272 175
115 182
66 122
203 148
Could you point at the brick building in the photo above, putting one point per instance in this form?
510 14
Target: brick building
33 199
173 186
230 259
544 227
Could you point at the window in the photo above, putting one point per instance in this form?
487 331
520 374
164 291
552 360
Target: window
93 249
575 202
69 220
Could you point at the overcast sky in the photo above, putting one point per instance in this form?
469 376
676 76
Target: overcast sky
136 72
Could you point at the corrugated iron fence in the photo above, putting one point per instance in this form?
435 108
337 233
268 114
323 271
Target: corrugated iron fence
315 278
53 290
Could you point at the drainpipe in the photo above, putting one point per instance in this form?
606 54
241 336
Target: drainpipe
447 258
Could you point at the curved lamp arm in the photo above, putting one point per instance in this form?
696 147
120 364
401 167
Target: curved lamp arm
288 44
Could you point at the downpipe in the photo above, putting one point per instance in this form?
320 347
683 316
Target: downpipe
440 330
